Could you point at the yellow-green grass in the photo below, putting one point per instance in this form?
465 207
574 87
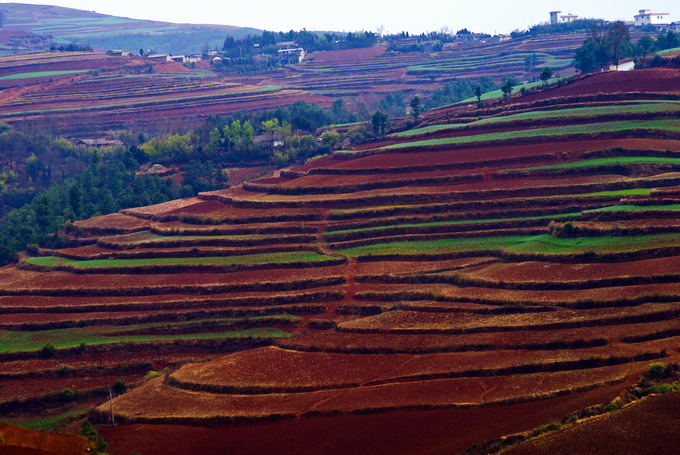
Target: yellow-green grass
555 131
252 259
636 108
21 341
617 208
604 162
40 74
541 244
668 51
453 223
47 424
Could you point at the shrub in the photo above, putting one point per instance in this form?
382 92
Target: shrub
48 350
95 441
67 395
153 374
657 370
120 386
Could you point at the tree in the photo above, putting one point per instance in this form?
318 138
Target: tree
546 74
506 88
380 121
75 197
645 45
617 35
415 107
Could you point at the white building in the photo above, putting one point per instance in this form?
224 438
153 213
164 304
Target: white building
646 17
556 17
158 57
292 55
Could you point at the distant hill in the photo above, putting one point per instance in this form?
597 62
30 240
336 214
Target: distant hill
67 25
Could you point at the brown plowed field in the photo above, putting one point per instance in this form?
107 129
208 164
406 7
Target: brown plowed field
645 428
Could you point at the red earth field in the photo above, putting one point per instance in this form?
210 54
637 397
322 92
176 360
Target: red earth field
417 300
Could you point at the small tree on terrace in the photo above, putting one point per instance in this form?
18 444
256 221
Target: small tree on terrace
380 122
506 88
546 74
416 107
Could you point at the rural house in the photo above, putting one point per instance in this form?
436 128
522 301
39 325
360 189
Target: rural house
646 17
556 17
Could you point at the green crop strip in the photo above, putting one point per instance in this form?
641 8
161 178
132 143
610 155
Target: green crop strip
604 162
253 259
547 244
672 106
18 341
453 223
541 244
40 74
46 424
625 208
607 127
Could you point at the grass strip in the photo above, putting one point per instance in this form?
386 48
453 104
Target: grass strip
448 223
40 74
604 162
20 341
541 244
637 108
264 258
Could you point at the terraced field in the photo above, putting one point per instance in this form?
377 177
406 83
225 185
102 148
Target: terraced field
387 297
79 91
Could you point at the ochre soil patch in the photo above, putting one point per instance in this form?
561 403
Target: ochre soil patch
22 441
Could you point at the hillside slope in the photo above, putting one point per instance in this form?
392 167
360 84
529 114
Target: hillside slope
111 32
495 273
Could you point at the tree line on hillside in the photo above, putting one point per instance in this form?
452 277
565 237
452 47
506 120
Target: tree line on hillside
109 183
607 44
268 42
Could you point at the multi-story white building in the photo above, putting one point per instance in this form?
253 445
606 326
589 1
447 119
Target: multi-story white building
556 17
646 17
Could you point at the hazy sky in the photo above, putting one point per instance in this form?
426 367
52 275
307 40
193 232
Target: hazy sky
414 16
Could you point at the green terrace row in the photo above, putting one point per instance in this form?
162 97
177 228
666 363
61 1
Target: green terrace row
540 244
373 211
603 162
21 341
457 222
634 108
557 131
253 259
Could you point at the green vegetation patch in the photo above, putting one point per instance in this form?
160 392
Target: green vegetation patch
541 244
40 74
19 341
604 162
47 424
636 108
451 223
547 244
565 130
253 259
625 208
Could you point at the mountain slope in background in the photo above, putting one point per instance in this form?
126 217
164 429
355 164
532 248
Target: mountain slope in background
67 25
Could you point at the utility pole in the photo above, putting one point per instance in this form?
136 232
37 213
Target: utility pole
113 421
